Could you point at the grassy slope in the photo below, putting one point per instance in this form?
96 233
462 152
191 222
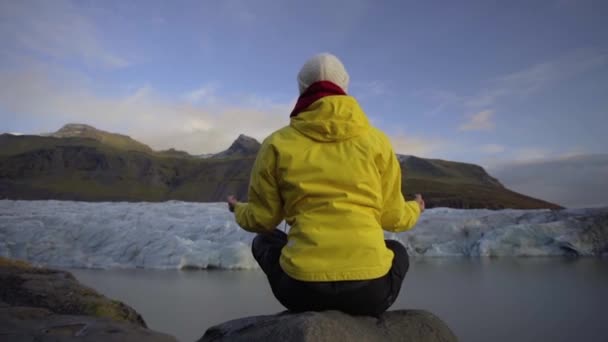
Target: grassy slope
84 169
34 167
462 185
122 142
119 141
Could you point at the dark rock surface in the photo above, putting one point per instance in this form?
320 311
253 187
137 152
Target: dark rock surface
25 324
39 304
402 325
58 291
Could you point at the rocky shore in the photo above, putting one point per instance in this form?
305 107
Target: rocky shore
39 304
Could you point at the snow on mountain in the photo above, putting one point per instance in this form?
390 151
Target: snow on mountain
204 235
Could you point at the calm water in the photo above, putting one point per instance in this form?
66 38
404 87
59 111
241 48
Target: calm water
481 299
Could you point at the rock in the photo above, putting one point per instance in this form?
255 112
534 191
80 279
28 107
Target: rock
39 304
25 324
243 146
402 325
58 291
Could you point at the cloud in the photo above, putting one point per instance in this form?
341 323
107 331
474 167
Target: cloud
564 67
537 77
415 145
203 94
497 158
577 181
518 84
531 154
186 122
440 99
492 148
62 96
240 11
370 88
481 121
487 98
54 29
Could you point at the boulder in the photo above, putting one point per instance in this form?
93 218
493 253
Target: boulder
29 324
40 304
401 325
21 284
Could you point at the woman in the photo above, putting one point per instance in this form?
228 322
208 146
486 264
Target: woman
336 181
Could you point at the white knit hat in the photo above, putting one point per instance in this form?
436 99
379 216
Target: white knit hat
323 67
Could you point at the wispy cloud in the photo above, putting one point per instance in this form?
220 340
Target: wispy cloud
187 122
144 113
370 88
441 100
519 155
528 154
492 149
415 145
578 181
481 121
516 85
203 94
537 77
241 11
54 29
523 83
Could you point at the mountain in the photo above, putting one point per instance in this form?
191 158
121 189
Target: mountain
111 139
460 185
175 153
579 181
45 167
91 165
243 146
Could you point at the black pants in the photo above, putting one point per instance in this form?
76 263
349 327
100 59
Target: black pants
359 297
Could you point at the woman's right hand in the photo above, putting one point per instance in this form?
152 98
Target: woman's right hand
420 202
232 201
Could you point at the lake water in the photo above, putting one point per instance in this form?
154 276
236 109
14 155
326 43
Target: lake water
509 299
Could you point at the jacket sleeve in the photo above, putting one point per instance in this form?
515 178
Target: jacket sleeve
264 211
397 214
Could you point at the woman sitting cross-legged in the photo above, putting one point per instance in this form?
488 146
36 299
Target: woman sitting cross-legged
336 181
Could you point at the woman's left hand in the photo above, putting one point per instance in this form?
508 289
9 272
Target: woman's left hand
420 202
232 201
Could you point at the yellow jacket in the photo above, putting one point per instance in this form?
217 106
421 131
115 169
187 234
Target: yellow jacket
337 182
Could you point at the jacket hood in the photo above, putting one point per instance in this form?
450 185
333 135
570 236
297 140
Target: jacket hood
332 118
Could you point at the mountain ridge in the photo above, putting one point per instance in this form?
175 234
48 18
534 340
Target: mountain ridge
243 146
85 167
78 130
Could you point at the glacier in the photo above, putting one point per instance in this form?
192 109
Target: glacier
184 235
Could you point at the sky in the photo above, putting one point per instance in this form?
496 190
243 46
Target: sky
572 182
487 82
